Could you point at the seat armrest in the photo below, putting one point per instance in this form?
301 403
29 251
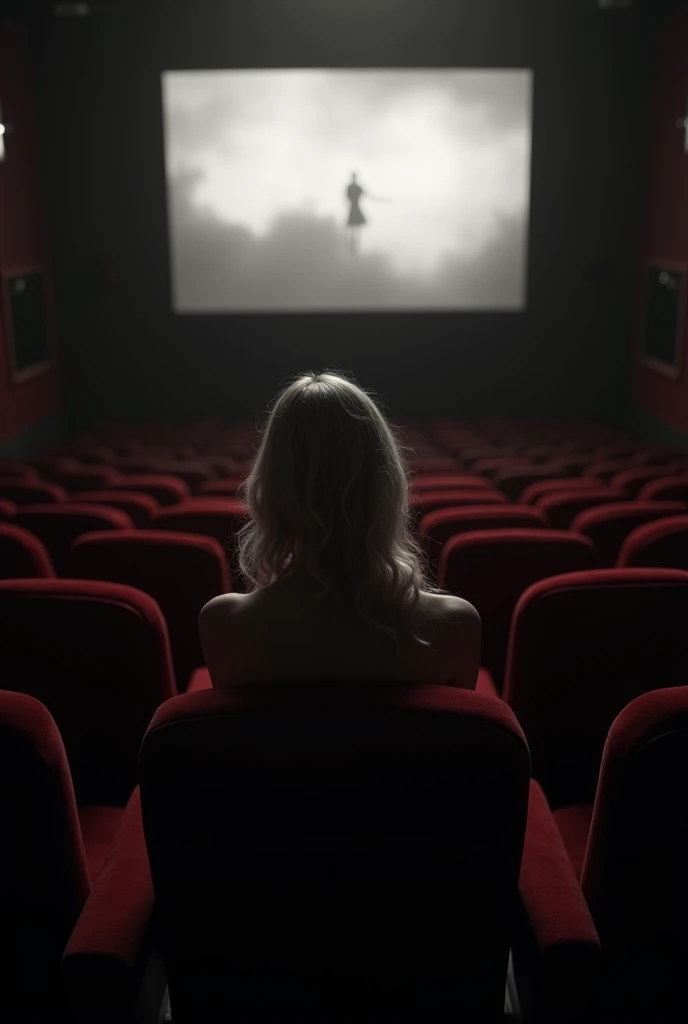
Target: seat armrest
200 680
557 956
109 952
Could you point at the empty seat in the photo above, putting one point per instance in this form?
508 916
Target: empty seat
45 876
632 481
180 571
582 646
492 568
226 487
323 805
666 488
554 485
192 473
438 527
631 848
513 482
562 507
448 481
98 656
491 466
22 554
7 509
212 517
141 508
13 469
424 502
32 492
86 478
663 543
167 490
608 525
58 525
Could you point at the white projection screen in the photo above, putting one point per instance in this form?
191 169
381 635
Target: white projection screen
348 190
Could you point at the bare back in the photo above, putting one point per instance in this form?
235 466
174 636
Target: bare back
281 634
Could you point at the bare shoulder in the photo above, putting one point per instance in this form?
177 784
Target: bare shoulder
221 608
447 609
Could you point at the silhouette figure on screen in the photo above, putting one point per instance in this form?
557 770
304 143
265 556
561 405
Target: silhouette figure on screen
356 218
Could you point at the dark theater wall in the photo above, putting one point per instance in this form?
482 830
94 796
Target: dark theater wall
29 411
127 354
661 400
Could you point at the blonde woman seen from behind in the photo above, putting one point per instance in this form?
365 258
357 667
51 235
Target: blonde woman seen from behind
336 588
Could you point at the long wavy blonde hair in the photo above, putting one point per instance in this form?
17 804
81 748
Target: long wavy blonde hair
328 495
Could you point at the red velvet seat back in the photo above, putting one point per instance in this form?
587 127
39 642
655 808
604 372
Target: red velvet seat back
492 568
219 518
582 646
561 508
59 525
167 490
552 485
86 478
32 492
7 509
436 528
424 502
44 879
181 572
513 482
658 544
634 876
448 482
667 488
320 849
22 555
98 656
608 525
140 508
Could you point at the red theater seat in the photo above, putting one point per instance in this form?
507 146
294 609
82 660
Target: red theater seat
22 555
330 805
7 509
227 487
180 571
667 488
562 507
86 478
632 847
424 502
167 490
663 543
32 492
582 646
192 473
438 527
98 656
513 482
492 568
632 481
608 525
554 485
448 481
58 525
219 518
141 508
12 469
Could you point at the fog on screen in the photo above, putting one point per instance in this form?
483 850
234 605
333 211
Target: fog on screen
309 190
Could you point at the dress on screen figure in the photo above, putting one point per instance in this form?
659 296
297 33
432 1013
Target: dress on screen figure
356 218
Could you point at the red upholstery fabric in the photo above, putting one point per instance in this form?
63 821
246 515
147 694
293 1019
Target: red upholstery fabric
227 487
562 507
635 867
606 469
664 543
59 525
632 481
424 502
608 525
15 470
666 488
167 490
490 466
43 866
558 943
32 492
436 528
448 481
7 509
219 518
22 555
200 680
106 953
98 829
554 485
180 571
98 656
193 474
330 804
582 646
87 478
573 823
485 684
492 568
513 482
141 508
